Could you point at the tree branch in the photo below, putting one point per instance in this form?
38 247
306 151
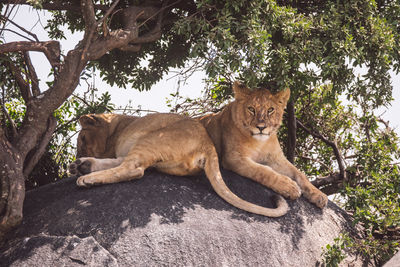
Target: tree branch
32 160
51 49
91 24
128 38
17 33
22 83
133 13
326 180
291 137
108 13
329 184
332 144
12 123
331 189
32 75
55 5
21 28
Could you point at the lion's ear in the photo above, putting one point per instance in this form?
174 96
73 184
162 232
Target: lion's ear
283 96
90 120
240 90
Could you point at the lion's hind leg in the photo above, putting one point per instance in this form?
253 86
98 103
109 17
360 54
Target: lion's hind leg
129 169
87 165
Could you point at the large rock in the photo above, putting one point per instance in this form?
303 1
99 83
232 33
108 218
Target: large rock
166 220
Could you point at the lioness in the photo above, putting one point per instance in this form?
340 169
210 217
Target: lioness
114 148
244 135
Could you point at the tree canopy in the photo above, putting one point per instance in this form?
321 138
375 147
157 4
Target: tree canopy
316 48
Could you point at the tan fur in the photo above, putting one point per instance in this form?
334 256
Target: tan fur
245 136
115 148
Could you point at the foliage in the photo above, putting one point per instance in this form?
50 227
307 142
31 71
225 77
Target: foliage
376 204
139 70
214 98
371 153
264 42
334 254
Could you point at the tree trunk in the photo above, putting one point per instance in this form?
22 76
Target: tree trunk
292 128
12 187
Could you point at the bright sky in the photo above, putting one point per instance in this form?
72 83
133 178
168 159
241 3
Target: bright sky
155 99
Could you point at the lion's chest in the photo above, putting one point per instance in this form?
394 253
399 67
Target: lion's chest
261 151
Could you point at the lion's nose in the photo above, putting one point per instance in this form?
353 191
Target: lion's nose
261 128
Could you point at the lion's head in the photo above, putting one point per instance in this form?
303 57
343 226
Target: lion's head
259 112
92 139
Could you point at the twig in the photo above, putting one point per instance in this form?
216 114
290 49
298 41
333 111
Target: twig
81 99
17 33
108 13
318 161
136 110
332 144
386 123
158 12
21 28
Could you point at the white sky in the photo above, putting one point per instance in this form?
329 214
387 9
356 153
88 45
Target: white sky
155 99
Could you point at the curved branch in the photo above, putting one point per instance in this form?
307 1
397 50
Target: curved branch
91 24
17 33
327 180
330 143
329 184
51 49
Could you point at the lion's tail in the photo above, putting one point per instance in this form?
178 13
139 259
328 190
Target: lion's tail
213 173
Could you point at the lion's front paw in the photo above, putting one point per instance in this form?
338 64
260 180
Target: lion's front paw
319 199
86 181
80 167
290 189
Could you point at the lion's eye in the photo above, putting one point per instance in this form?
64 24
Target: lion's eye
252 110
271 111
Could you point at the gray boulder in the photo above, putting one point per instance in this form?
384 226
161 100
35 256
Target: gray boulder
393 262
162 220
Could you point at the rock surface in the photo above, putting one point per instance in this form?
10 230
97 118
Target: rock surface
161 220
393 262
